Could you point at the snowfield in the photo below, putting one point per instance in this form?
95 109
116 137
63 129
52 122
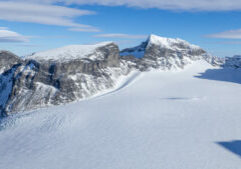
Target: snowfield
68 52
158 120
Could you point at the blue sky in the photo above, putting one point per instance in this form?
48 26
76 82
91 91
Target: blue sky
26 27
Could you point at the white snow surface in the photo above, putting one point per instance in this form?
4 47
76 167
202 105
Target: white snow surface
161 120
67 52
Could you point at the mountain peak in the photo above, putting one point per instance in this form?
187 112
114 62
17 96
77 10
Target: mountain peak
153 37
162 43
169 42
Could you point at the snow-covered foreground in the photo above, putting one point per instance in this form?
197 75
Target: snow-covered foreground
162 120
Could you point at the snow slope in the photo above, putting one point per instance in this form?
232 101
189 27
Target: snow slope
164 42
67 52
162 120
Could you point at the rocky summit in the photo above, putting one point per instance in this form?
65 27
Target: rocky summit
167 53
77 72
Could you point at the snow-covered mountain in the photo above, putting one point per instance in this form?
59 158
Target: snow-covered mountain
77 72
161 43
167 53
44 79
145 114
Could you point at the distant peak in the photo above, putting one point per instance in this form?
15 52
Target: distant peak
167 42
161 39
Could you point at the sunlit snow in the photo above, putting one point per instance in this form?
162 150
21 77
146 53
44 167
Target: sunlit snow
157 120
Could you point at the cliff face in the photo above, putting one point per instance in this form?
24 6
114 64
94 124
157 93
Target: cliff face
7 60
8 65
33 83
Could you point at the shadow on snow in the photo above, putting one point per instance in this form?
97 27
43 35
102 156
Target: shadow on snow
232 146
224 74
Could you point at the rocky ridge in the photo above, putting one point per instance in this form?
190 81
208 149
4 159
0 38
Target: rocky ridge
167 53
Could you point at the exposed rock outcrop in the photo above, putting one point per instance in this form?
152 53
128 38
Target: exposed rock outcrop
7 60
166 53
37 82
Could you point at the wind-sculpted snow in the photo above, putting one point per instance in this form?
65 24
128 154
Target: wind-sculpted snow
162 120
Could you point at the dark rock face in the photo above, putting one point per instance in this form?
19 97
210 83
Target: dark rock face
7 60
9 63
167 58
29 84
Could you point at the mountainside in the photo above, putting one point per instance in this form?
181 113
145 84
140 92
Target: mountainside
39 81
77 72
167 53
